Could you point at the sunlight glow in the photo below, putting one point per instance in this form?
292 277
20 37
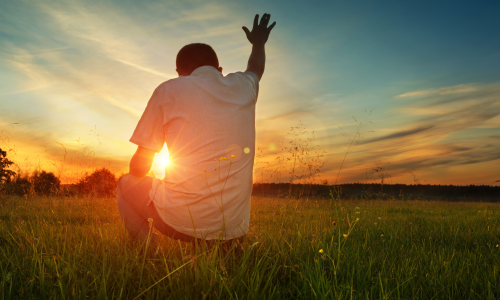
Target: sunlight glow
164 161
161 162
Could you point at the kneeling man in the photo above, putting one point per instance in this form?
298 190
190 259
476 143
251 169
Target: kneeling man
208 123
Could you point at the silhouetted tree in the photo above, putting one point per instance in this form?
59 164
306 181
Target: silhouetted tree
46 183
19 185
100 183
5 174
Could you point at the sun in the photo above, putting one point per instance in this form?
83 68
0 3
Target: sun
164 161
162 158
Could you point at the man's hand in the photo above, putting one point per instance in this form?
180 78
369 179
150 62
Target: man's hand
260 32
258 37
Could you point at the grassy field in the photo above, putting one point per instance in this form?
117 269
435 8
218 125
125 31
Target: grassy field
62 248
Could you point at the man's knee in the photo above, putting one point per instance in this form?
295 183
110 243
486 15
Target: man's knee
133 191
124 181
120 187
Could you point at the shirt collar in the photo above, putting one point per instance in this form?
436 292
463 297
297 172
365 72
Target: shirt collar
206 71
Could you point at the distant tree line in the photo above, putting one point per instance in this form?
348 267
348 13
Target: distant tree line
100 183
367 191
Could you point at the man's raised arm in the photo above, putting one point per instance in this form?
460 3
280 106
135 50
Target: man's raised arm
258 38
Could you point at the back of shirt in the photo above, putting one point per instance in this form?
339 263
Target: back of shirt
208 123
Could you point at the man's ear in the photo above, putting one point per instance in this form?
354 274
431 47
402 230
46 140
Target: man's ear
220 69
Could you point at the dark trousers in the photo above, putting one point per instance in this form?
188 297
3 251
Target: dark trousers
132 198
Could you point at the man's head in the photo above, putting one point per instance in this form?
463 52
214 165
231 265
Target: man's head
193 56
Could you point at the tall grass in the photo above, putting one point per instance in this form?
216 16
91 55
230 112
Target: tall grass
60 248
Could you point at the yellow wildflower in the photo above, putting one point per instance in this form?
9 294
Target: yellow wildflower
232 156
204 170
225 158
320 250
345 235
357 219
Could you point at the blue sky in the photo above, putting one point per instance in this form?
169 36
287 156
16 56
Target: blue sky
430 72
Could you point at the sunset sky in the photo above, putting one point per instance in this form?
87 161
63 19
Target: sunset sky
78 74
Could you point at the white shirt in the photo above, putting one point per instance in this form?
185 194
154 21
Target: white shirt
202 117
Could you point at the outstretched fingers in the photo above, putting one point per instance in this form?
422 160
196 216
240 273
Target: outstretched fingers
272 26
260 30
247 32
268 18
263 21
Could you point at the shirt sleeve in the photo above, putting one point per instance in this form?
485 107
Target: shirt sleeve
254 82
149 132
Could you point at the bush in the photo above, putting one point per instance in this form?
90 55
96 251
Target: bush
40 183
19 185
70 190
101 183
45 183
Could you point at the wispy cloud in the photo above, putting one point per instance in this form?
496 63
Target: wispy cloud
457 89
397 135
451 131
452 137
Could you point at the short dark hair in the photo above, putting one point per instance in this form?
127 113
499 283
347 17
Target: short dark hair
196 55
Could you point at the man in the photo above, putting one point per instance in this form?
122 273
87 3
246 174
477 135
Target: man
208 123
